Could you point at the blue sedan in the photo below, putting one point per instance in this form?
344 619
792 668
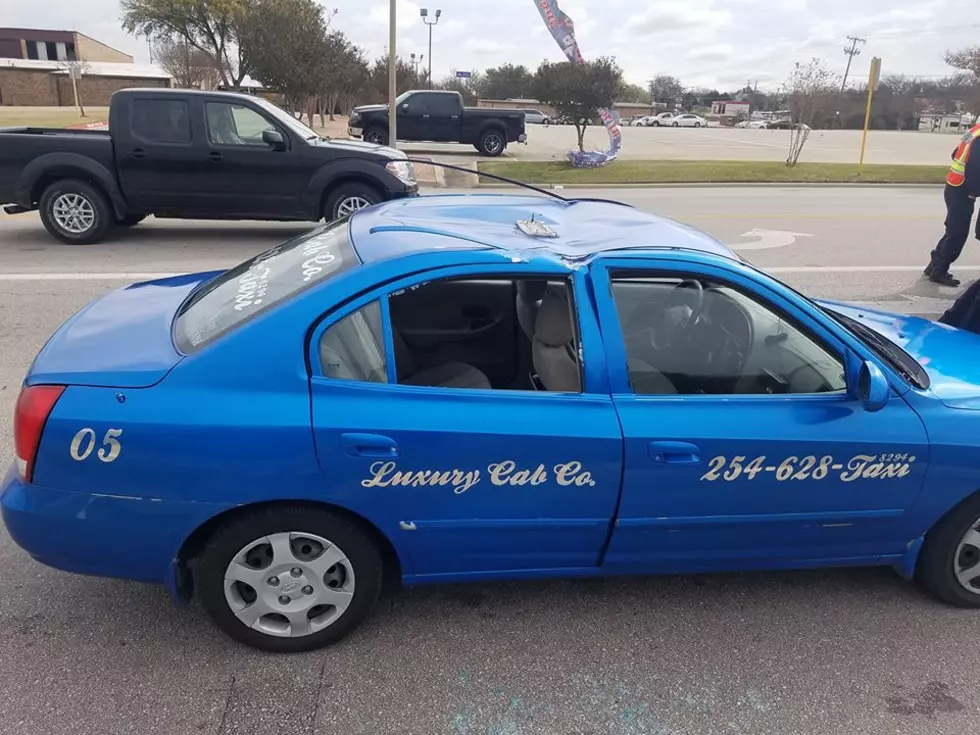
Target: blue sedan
475 387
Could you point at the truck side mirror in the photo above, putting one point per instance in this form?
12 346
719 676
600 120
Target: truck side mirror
274 139
872 389
404 107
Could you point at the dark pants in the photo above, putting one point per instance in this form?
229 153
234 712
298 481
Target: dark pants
965 311
959 214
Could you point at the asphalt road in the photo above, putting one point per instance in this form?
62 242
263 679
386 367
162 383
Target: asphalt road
806 653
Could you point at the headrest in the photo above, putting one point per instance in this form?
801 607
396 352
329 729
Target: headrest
531 291
554 324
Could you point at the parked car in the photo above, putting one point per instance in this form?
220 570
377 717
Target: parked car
660 119
753 124
536 117
485 387
440 117
191 155
688 120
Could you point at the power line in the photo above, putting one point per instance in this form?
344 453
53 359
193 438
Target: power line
851 52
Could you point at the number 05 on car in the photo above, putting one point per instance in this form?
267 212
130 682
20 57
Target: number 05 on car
430 390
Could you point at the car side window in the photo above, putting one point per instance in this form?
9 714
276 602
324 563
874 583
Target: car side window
698 337
231 124
161 121
443 105
354 349
493 332
418 104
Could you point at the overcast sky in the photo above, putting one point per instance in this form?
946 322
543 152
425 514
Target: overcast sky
719 43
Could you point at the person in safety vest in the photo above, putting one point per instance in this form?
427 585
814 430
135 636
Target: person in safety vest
962 187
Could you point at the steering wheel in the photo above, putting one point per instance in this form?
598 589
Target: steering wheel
660 324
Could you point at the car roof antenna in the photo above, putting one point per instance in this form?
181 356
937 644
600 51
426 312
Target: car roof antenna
538 189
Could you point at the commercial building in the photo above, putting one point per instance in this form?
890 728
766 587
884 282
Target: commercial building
46 45
26 82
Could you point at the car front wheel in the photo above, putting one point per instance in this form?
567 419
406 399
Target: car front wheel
75 212
949 563
378 136
347 199
289 579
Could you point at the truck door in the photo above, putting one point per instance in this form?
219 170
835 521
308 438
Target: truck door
445 117
156 151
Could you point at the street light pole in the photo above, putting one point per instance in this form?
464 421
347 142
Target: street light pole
392 75
424 12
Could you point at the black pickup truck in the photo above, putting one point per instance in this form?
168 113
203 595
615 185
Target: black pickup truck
191 155
440 117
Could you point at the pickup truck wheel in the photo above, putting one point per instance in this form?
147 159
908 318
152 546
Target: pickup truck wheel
491 143
347 199
378 136
75 212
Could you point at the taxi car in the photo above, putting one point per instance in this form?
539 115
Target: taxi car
479 387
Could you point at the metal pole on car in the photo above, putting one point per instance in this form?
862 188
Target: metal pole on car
392 75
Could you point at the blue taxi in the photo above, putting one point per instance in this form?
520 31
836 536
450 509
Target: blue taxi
481 387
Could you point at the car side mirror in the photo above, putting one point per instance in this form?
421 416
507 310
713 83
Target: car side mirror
404 107
873 389
274 139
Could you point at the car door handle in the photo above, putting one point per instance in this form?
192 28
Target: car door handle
214 156
368 445
674 453
138 153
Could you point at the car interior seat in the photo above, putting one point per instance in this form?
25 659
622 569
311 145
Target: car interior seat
529 295
447 375
553 347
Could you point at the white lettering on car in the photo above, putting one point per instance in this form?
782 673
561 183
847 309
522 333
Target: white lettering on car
83 444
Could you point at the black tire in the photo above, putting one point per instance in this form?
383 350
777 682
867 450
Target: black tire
675 125
130 220
655 124
934 570
492 142
344 196
348 536
93 198
697 125
378 136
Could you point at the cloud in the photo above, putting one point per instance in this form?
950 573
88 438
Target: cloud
662 16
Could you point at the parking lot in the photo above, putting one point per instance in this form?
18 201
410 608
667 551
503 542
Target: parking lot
821 653
721 144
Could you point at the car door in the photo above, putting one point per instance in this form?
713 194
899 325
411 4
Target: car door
239 173
471 481
158 152
746 444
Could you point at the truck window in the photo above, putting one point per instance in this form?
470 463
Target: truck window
443 105
161 120
230 124
418 104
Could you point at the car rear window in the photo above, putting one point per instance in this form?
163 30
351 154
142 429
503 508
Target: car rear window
260 283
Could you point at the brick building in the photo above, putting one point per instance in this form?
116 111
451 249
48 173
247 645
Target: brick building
43 45
27 82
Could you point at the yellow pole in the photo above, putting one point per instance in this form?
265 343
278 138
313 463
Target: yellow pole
872 84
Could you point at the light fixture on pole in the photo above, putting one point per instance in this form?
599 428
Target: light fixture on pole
392 75
424 12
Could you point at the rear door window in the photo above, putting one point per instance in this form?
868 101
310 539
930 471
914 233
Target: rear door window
262 282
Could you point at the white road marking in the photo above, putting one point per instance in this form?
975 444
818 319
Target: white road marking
768 239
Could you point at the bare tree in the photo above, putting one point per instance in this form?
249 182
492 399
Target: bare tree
810 91
968 59
188 65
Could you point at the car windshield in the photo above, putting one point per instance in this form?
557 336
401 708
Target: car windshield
260 283
304 131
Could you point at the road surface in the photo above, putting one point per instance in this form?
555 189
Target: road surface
802 653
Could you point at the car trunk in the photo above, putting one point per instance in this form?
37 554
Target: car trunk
121 340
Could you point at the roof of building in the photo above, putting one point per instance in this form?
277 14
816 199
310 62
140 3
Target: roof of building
583 227
90 68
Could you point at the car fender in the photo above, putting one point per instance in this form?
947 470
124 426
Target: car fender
64 165
490 125
369 171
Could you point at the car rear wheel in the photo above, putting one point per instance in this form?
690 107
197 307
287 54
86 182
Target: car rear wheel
949 563
289 579
378 136
75 212
491 143
347 199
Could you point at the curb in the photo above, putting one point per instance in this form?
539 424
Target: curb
716 184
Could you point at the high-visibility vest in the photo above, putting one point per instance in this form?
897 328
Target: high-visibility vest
957 171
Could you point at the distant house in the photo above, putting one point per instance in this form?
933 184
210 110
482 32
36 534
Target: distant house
38 44
731 108
48 84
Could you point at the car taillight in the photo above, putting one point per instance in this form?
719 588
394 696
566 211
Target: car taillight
33 408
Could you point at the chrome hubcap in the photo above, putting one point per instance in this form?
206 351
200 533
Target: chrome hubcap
289 584
966 560
493 143
374 138
73 213
350 205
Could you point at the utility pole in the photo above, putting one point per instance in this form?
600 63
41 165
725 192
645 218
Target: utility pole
392 75
851 52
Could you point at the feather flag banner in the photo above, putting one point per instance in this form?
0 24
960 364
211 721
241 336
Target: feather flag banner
563 31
